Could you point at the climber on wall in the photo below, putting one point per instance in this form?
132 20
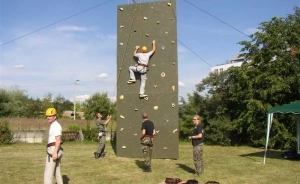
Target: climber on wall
141 67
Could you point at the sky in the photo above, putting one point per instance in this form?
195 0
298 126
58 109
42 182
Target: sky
45 46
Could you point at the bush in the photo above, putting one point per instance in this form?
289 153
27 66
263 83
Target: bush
6 135
218 132
74 128
90 133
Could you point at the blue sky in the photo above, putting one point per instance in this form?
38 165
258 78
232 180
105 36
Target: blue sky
62 48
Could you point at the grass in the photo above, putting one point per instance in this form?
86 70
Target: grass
24 163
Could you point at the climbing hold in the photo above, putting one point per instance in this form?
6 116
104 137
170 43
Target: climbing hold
120 69
136 109
172 42
121 26
122 117
121 129
174 131
166 32
147 35
173 63
121 9
167 120
146 98
170 18
134 30
155 107
121 44
173 105
123 147
155 86
122 97
173 88
145 18
135 134
157 22
163 47
153 65
165 148
157 131
163 74
169 4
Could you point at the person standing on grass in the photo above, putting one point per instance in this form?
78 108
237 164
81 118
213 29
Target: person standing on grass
54 150
148 132
197 142
101 125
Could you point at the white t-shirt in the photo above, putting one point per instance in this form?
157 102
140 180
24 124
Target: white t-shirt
55 130
144 57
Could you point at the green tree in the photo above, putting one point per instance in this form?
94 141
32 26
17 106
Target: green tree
97 103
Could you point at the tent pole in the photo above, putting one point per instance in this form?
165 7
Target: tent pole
270 119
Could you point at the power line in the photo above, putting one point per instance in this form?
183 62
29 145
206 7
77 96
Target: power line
194 53
218 19
187 46
55 23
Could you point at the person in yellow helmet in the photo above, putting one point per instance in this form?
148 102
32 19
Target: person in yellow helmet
54 150
141 67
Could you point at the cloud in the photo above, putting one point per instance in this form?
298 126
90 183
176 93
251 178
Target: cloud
101 76
181 84
19 66
103 36
73 28
82 98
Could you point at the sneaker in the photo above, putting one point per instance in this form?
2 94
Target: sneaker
96 155
130 81
143 95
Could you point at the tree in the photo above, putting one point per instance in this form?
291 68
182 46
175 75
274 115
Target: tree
97 103
237 100
274 73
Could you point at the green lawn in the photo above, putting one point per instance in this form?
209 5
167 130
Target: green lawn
24 163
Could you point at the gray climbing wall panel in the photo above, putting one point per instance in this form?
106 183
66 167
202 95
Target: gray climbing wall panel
139 24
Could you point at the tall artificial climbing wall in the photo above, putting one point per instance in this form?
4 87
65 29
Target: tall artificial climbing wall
139 24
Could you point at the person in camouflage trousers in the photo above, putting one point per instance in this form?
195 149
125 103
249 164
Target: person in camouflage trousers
148 132
101 126
197 142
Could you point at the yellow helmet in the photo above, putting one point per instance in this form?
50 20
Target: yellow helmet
51 112
144 49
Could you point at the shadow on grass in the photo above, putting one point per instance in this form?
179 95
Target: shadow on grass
186 168
66 179
140 164
270 154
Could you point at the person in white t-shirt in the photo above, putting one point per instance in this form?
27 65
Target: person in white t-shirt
141 67
54 150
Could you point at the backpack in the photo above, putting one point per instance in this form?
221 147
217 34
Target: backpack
172 180
192 181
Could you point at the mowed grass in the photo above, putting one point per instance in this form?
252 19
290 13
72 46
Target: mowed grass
24 163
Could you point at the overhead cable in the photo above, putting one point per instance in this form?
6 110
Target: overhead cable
194 53
218 19
55 23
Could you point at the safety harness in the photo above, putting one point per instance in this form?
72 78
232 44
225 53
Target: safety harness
52 144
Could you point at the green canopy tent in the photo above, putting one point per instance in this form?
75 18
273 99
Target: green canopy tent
287 108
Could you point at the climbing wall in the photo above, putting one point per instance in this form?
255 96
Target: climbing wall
139 24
